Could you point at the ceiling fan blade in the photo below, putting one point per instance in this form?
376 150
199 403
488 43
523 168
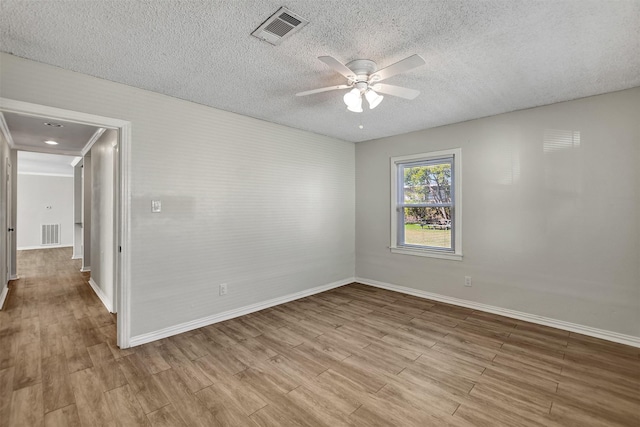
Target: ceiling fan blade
399 91
322 89
402 66
337 66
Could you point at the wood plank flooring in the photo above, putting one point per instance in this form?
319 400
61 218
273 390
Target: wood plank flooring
353 356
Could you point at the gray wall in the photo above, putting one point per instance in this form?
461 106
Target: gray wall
87 216
551 223
77 193
102 214
265 208
77 211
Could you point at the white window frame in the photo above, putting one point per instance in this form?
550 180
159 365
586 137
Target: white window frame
396 216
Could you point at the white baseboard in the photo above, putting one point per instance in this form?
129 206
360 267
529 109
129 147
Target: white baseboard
30 248
3 295
540 320
85 269
14 277
101 295
205 321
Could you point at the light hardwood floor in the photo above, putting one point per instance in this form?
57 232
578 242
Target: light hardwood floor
353 356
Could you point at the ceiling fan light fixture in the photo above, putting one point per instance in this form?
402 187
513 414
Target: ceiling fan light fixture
373 98
363 78
355 106
353 99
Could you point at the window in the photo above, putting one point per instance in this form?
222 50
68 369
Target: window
425 205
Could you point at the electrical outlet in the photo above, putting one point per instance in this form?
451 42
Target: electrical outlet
467 281
223 289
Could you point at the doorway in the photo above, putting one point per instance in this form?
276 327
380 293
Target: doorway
120 244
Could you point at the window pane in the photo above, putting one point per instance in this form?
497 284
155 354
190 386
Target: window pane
428 227
427 183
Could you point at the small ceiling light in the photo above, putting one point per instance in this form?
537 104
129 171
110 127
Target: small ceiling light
361 126
55 125
373 98
51 142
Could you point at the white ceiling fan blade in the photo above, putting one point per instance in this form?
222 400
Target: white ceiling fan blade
322 89
337 66
402 66
398 91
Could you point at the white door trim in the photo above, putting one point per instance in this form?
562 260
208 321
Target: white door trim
123 276
8 182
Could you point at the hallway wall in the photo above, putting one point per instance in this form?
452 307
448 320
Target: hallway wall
42 200
102 218
87 217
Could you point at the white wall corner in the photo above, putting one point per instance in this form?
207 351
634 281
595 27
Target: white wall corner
4 128
533 318
3 295
101 295
230 314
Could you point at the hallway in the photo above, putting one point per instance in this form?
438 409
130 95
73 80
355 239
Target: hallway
53 326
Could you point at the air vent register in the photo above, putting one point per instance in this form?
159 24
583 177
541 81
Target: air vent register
279 26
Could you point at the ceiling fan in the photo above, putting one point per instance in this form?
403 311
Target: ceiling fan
363 78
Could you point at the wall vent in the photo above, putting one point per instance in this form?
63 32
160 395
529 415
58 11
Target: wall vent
279 26
50 234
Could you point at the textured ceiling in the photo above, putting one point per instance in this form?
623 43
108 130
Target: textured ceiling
29 133
483 57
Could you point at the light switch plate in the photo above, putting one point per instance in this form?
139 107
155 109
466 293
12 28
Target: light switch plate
156 206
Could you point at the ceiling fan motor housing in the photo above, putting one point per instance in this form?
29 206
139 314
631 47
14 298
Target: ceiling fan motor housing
362 68
361 85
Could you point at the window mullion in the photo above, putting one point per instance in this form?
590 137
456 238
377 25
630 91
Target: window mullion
426 205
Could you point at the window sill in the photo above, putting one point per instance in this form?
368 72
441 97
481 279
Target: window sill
426 253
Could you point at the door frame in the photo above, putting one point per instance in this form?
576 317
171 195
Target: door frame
8 182
122 245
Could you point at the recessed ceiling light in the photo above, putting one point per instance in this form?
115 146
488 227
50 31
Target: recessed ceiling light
51 142
53 124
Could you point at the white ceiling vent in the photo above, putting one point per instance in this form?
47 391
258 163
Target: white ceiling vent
279 26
